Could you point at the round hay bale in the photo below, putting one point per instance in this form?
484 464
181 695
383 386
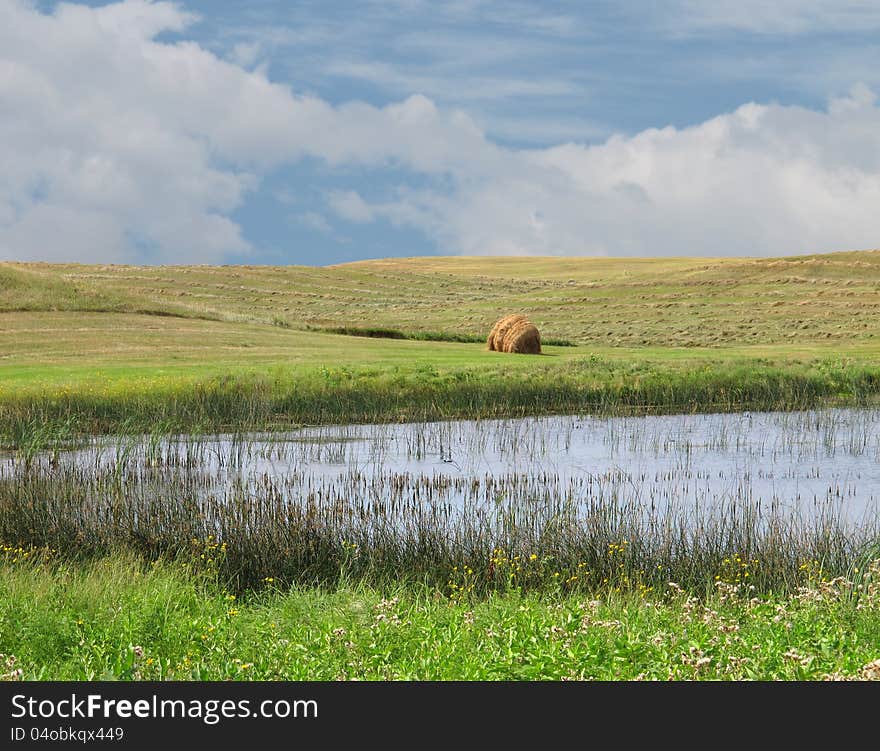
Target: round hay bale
522 338
499 330
496 335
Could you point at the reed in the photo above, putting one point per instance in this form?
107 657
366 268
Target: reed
337 395
227 508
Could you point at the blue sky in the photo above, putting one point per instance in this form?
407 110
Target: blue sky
315 132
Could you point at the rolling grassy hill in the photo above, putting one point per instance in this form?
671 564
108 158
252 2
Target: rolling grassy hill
677 302
104 331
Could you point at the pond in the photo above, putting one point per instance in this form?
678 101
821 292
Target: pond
807 464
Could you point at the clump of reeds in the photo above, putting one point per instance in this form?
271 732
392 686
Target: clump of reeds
510 532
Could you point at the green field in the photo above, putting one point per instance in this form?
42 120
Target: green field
116 618
108 344
126 350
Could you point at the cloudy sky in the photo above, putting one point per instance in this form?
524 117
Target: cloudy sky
312 132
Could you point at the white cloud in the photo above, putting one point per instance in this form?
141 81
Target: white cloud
443 85
350 206
97 164
763 180
245 54
49 232
112 142
780 16
157 142
314 221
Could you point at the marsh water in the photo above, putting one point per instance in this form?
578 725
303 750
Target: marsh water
805 464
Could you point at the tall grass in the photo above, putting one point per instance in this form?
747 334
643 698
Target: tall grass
175 500
424 392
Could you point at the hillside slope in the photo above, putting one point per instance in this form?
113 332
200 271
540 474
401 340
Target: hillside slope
675 302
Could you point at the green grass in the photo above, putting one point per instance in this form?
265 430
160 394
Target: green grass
106 347
406 386
89 349
116 618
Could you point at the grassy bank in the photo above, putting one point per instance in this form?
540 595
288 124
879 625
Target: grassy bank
118 618
107 348
34 412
